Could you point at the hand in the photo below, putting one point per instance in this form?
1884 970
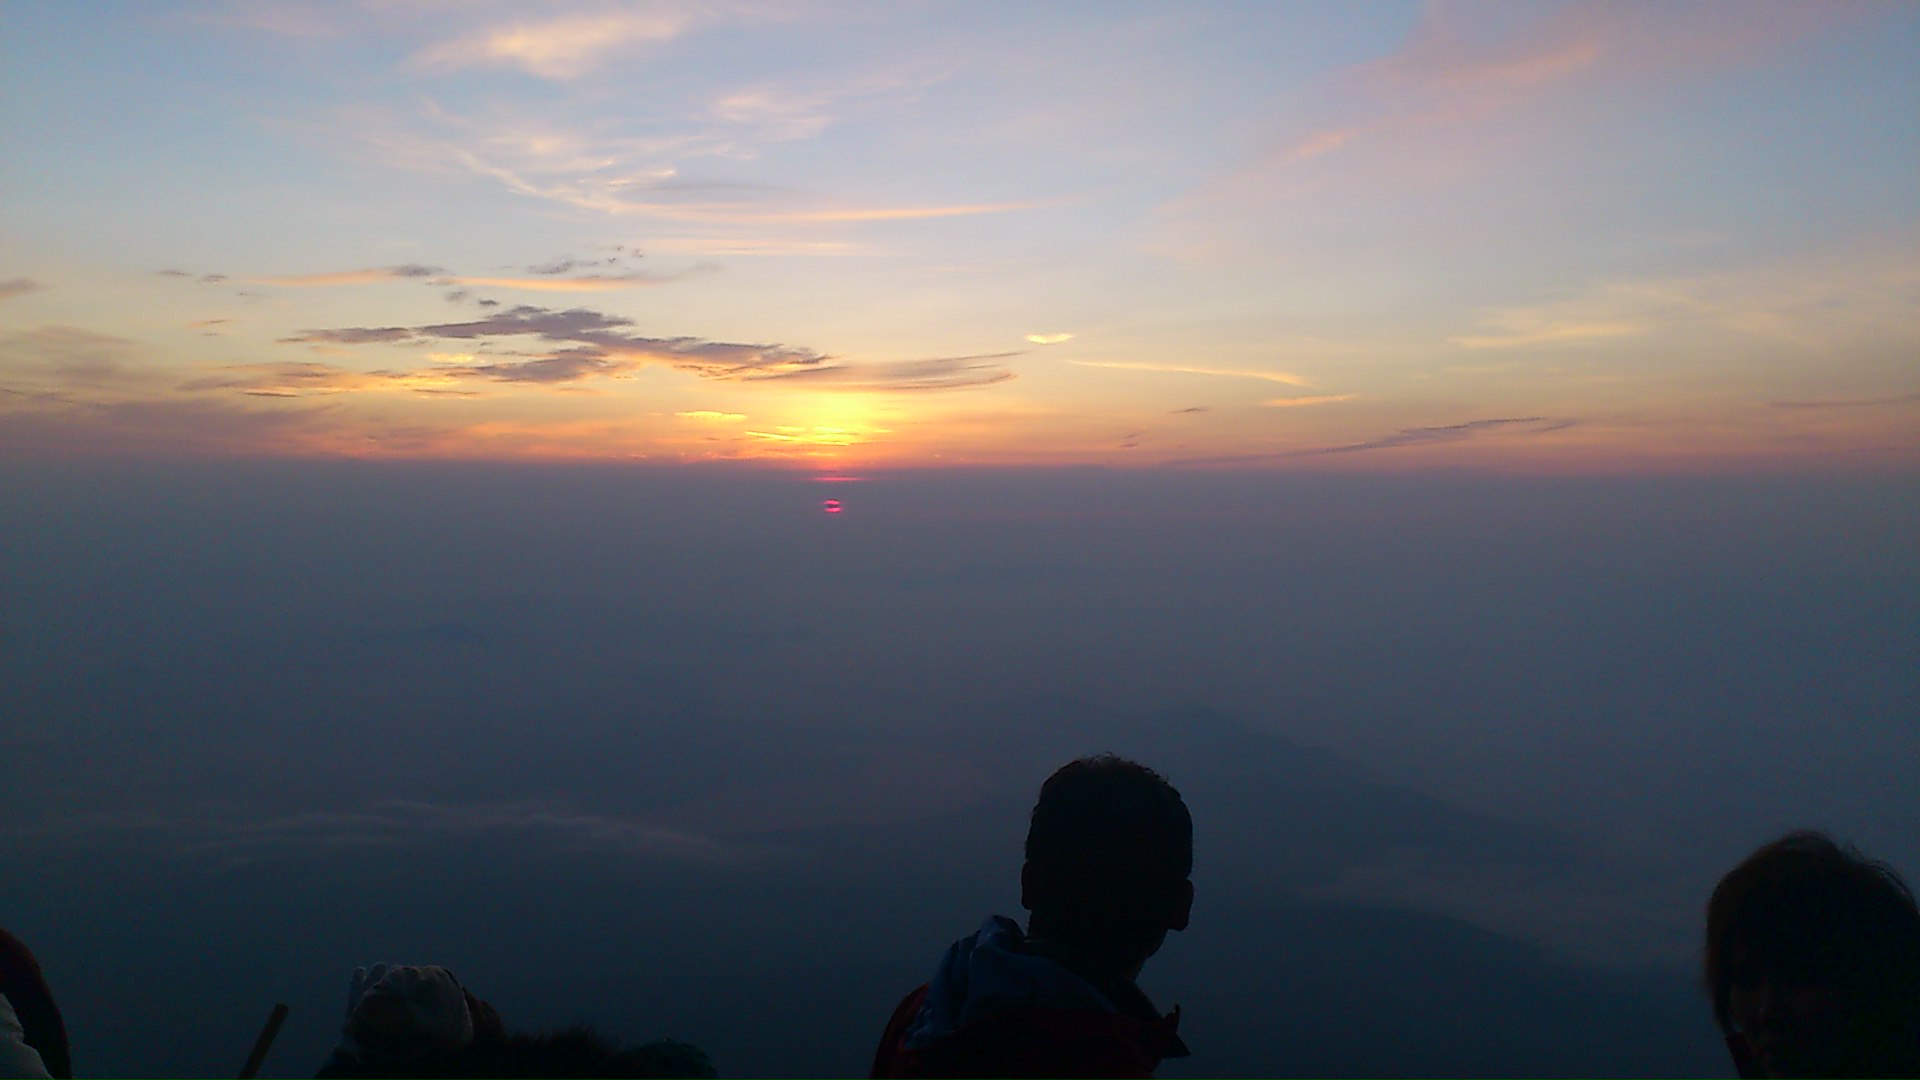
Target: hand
363 980
486 1019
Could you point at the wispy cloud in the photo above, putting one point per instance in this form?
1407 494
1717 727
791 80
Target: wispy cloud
818 435
18 287
296 378
394 823
1317 399
610 274
1450 433
63 355
204 279
599 167
1521 329
760 246
1817 301
1851 403
599 344
583 283
566 47
354 335
940 373
594 344
1416 436
1049 339
841 213
776 112
350 277
1472 83
567 366
712 417
1187 369
780 114
81 428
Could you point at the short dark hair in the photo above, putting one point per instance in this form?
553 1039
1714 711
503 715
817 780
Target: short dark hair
1805 908
1105 834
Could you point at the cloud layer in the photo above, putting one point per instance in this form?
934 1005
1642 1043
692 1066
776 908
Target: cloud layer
594 344
394 823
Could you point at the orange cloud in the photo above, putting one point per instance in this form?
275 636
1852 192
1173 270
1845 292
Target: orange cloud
1183 369
350 277
308 378
1556 334
590 283
1322 399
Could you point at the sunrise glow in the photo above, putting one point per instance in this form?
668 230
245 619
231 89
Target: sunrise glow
1527 236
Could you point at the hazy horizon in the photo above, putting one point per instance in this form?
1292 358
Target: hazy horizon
272 720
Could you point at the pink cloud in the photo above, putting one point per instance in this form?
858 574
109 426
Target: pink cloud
1425 110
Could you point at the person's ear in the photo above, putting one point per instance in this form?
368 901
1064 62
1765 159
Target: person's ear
1182 907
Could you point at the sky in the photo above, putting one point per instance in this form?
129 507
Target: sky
1554 237
1473 449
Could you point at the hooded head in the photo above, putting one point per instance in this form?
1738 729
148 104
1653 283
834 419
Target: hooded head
412 1012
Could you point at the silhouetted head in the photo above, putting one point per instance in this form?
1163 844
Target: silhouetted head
412 1012
1813 961
1109 852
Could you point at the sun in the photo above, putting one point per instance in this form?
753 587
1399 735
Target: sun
825 424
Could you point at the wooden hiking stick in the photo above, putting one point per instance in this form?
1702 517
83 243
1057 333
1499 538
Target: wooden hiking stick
261 1044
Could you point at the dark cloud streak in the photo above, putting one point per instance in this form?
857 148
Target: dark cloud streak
357 335
940 373
18 286
598 344
1447 433
1442 433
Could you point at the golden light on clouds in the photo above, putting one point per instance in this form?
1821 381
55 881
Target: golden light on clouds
1321 399
819 436
866 262
1547 335
374 275
606 283
1183 369
558 48
820 425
